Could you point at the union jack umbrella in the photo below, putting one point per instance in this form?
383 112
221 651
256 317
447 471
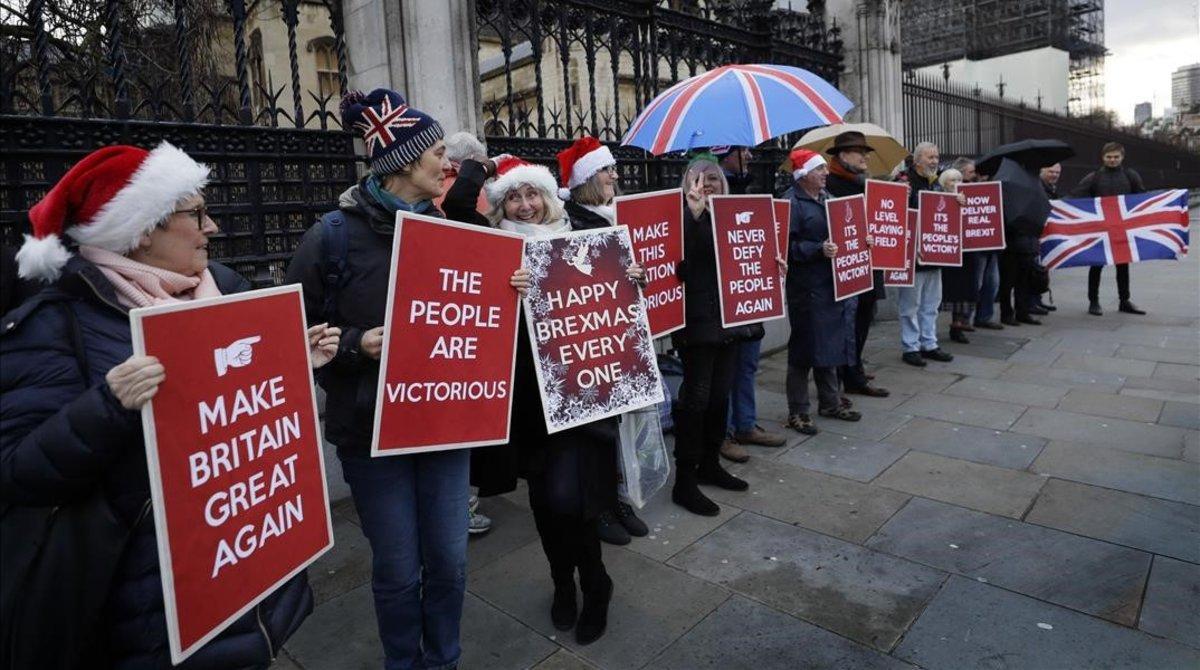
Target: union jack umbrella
742 105
1116 229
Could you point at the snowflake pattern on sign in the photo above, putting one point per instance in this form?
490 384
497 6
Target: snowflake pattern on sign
573 260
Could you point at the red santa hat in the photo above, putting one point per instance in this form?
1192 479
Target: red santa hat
804 161
512 172
109 199
578 162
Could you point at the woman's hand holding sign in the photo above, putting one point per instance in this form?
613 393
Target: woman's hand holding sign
323 343
135 381
521 280
829 249
371 343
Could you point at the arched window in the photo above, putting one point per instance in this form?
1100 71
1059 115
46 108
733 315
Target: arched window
326 61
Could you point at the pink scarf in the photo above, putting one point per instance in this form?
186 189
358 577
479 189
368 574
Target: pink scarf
141 285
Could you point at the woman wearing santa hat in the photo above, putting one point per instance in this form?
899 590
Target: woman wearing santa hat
123 228
708 350
588 174
572 474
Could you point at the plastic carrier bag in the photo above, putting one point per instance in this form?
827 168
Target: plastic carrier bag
643 459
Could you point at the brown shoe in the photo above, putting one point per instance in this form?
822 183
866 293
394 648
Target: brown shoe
760 437
733 451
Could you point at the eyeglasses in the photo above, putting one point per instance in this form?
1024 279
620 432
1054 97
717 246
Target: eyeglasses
201 214
611 169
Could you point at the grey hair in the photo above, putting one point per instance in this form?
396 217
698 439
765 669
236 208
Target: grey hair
962 162
463 145
922 148
948 175
552 208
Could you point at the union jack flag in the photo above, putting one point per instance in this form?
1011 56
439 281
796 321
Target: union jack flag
377 126
1116 229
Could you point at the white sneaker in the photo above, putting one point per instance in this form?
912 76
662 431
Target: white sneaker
478 524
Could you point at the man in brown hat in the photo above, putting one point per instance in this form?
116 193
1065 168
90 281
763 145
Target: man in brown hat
848 176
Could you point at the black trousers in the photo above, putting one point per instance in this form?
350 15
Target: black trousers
702 413
1015 269
854 376
1122 282
570 541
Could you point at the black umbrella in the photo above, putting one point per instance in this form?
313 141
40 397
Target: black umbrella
1033 154
1026 205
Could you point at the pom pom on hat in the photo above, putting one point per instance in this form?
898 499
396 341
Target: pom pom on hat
110 199
395 134
512 172
578 162
804 161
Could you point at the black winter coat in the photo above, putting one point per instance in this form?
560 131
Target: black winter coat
1109 181
62 435
702 305
822 328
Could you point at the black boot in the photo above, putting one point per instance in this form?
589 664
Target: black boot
712 473
565 609
593 619
688 495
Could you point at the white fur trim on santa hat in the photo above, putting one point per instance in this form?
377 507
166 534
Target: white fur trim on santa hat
167 176
589 164
42 258
535 175
809 165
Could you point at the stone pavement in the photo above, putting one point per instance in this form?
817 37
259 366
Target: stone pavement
1033 504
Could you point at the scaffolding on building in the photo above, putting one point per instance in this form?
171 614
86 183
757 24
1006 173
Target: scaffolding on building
941 31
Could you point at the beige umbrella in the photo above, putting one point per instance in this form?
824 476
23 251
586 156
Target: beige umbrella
887 154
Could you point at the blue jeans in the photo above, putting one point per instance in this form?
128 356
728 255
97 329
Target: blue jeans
919 311
987 278
742 412
414 513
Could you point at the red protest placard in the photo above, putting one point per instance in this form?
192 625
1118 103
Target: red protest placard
941 229
591 342
655 222
233 450
451 337
748 283
982 216
783 224
887 204
847 218
907 276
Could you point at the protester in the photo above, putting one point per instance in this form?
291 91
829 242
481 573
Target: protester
743 426
986 263
589 176
918 304
572 474
413 508
708 351
822 336
71 431
960 293
1022 232
1112 178
848 176
461 146
1049 177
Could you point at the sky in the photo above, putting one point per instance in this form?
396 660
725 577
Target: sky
1147 41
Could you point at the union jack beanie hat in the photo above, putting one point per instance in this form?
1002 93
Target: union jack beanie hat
395 134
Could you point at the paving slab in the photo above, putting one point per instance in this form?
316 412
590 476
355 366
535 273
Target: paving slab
284 662
970 411
870 404
1090 576
1110 405
1159 354
981 445
974 625
1181 415
517 525
1034 358
1051 376
1172 607
979 349
1135 436
563 660
861 594
492 639
340 634
1178 390
844 456
766 638
975 365
900 378
1094 345
1177 371
1125 367
875 424
981 487
652 604
672 528
1167 478
1019 393
1154 525
832 505
346 566
1191 446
